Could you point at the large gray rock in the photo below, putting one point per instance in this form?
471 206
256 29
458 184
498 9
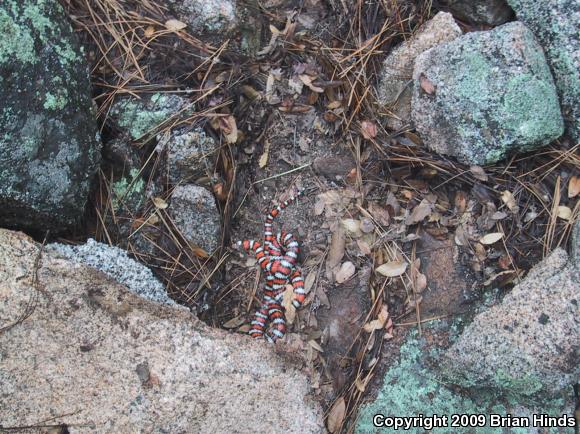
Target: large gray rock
485 94
49 142
395 88
555 23
194 212
529 344
78 349
490 12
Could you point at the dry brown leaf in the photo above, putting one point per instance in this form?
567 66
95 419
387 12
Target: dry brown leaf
573 187
368 129
364 247
230 129
234 322
309 281
315 345
480 252
319 205
508 198
461 238
336 415
426 85
504 262
359 385
290 310
149 31
175 25
419 212
351 225
334 105
336 250
372 326
159 203
564 213
460 202
346 271
264 157
488 239
420 282
307 80
392 269
380 214
198 251
271 98
478 173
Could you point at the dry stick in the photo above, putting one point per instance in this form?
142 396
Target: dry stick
33 300
572 152
414 285
172 228
254 289
553 219
501 230
414 323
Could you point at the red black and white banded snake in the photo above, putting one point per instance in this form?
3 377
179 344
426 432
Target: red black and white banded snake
277 257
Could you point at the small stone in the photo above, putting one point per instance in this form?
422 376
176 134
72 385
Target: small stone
489 12
334 167
493 94
395 88
190 155
206 16
194 212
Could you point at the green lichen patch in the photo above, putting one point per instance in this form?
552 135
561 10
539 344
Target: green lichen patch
23 23
139 117
17 42
128 191
49 143
55 101
412 388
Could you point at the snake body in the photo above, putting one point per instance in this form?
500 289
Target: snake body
277 257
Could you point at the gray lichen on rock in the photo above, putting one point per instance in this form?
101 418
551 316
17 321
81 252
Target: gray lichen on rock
49 142
527 345
190 154
555 23
493 93
395 90
212 16
194 212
